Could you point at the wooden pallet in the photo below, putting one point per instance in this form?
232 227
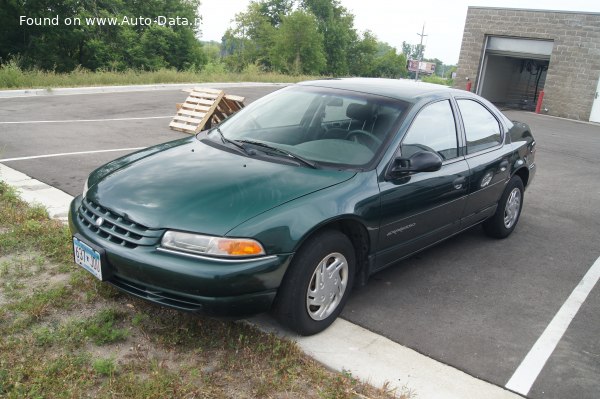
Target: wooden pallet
228 106
203 106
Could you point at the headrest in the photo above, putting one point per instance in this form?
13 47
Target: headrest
358 111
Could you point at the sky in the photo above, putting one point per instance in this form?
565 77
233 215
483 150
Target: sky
397 21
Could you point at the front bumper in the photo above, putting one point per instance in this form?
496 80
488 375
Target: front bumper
230 288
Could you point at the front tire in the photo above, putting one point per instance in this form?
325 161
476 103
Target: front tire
317 284
507 215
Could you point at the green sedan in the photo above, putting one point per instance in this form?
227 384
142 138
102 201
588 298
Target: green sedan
305 193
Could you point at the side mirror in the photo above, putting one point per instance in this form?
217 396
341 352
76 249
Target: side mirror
422 161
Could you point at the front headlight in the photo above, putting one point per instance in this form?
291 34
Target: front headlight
207 245
85 188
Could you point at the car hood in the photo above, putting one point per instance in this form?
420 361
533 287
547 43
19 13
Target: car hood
191 186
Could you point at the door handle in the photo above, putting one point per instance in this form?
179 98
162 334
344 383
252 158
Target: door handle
503 165
459 182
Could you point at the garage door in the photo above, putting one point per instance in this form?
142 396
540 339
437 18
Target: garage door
513 70
519 48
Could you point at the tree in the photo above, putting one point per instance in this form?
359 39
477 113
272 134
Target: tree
450 69
63 47
212 50
319 37
275 10
383 48
364 52
391 65
298 46
336 25
413 52
252 37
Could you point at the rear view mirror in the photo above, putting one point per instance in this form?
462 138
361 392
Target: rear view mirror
335 102
422 161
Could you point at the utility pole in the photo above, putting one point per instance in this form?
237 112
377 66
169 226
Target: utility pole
422 34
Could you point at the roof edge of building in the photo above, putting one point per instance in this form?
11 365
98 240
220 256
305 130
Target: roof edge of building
533 10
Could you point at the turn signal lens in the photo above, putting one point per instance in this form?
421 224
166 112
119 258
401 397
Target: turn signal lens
207 245
240 247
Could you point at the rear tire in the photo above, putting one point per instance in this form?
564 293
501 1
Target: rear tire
507 215
317 284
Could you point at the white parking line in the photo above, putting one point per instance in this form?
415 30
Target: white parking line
529 369
69 153
87 120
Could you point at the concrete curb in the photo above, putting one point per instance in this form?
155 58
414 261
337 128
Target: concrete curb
35 192
344 346
569 120
372 358
62 91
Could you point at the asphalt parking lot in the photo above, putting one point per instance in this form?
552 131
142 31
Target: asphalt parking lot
474 303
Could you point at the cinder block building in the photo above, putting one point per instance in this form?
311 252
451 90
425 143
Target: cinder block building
510 55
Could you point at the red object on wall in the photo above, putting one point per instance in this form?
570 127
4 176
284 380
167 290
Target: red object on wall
469 83
538 107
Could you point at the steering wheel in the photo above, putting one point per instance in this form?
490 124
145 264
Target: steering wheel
355 134
252 123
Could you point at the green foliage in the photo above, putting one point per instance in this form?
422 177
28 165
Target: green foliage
413 52
212 50
282 36
336 24
14 77
450 70
37 305
391 65
101 329
126 44
437 80
298 47
10 74
104 367
275 10
442 70
317 38
364 53
251 39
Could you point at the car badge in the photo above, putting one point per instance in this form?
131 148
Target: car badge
487 178
99 222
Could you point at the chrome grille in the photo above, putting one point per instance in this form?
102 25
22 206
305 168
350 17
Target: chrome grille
116 228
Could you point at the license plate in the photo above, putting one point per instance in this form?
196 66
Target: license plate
87 257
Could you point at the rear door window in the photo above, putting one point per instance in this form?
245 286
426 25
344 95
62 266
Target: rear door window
481 127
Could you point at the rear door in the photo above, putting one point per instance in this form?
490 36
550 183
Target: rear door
487 158
422 208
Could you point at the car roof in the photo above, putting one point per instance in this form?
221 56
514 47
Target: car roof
400 89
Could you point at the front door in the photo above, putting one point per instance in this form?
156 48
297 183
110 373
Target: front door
420 209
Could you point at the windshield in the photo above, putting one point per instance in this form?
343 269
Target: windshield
320 125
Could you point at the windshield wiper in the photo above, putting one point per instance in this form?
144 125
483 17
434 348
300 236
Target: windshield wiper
233 142
281 151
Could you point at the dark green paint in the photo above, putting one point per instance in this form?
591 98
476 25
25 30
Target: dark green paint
195 187
191 186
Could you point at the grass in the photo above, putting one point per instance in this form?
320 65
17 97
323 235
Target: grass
65 334
13 77
438 80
